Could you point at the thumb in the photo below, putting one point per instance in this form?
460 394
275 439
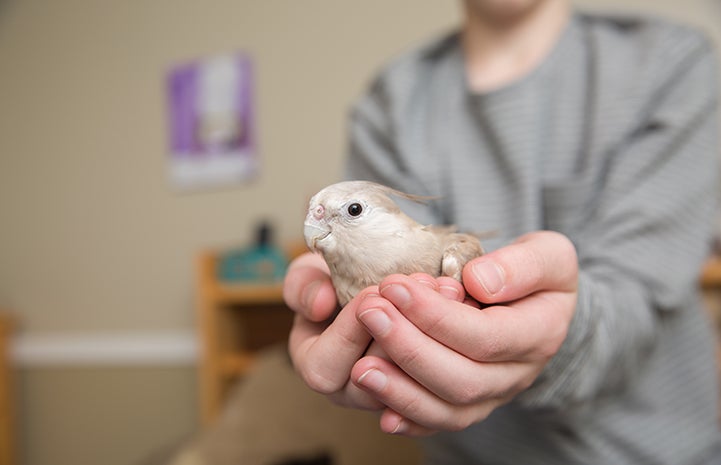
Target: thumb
537 261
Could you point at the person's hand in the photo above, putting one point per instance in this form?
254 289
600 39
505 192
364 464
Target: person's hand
307 288
449 364
325 348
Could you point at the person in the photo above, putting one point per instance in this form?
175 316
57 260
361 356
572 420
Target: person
589 142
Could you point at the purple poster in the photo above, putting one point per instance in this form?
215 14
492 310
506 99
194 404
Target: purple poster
212 131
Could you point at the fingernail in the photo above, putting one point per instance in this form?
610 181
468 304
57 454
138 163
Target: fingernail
400 428
370 294
373 379
309 293
449 292
427 283
397 294
376 321
490 276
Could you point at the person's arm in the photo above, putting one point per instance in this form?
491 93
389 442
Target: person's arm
637 257
642 247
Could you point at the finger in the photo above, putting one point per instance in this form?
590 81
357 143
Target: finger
307 288
530 330
447 373
451 289
537 261
352 396
412 409
392 422
425 279
444 285
376 350
324 354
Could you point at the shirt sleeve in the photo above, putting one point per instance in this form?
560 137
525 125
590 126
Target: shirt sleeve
645 239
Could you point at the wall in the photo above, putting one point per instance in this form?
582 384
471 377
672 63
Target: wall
93 241
95 245
88 213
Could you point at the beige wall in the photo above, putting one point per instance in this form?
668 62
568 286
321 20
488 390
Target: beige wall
92 237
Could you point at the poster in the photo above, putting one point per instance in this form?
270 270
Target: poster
211 123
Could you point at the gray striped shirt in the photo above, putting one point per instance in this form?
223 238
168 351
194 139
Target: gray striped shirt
613 142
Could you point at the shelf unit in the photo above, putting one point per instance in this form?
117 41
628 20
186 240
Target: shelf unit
234 321
7 431
710 282
711 273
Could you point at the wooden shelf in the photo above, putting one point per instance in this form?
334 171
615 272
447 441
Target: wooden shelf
7 438
248 294
711 273
235 365
234 321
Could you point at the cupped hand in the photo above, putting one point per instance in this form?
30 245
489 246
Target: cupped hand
449 364
324 343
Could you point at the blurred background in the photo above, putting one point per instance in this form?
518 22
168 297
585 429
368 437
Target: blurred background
98 250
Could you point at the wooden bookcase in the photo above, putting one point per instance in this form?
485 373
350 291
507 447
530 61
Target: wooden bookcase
711 273
710 281
234 321
7 430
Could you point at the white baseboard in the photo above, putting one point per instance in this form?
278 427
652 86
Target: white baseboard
99 349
